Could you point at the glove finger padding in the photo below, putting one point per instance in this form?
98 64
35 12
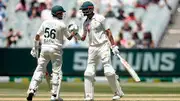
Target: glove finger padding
33 52
73 28
115 50
78 36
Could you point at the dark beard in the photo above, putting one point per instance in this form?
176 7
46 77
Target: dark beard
85 14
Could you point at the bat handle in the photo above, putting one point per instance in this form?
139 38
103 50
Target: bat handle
119 56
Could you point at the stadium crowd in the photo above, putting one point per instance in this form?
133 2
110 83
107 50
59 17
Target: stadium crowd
19 23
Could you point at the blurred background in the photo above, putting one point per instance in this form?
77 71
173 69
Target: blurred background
146 31
134 23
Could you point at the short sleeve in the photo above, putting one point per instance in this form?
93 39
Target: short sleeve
65 32
105 26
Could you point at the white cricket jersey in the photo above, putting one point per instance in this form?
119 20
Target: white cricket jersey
52 32
95 29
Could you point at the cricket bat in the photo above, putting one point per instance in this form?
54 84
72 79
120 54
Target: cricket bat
48 79
129 69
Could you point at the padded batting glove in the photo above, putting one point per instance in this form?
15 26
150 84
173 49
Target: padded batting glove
77 36
34 52
73 28
115 49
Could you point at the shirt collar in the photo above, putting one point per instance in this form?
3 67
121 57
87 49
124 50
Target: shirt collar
94 16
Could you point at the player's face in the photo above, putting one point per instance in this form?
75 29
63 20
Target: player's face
85 12
60 15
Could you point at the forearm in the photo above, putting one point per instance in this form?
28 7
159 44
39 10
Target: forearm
71 36
36 41
113 46
83 37
110 37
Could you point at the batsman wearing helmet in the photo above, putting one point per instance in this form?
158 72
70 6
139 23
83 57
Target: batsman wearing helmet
51 32
100 42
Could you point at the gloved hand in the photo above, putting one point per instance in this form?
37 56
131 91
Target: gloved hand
78 36
34 52
115 49
73 28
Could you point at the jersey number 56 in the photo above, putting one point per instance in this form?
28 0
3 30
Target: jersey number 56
50 33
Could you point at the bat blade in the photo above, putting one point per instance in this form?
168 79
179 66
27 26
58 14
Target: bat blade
129 69
48 79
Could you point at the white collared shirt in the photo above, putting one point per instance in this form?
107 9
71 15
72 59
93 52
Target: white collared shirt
95 29
52 32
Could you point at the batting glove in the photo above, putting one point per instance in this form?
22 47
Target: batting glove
115 49
78 36
33 52
73 28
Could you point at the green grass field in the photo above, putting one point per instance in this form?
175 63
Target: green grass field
74 92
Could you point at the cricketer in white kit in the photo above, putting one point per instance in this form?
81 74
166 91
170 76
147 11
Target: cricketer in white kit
100 42
52 31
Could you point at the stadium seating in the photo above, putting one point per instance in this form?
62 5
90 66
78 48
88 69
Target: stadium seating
154 19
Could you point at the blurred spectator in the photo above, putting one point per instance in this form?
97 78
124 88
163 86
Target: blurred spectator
2 5
142 3
121 14
21 6
33 10
120 38
131 17
33 3
12 37
140 27
126 31
125 35
2 19
42 6
109 13
35 13
147 40
73 13
126 11
137 40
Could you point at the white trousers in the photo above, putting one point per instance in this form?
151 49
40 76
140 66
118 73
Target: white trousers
96 53
99 53
55 56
